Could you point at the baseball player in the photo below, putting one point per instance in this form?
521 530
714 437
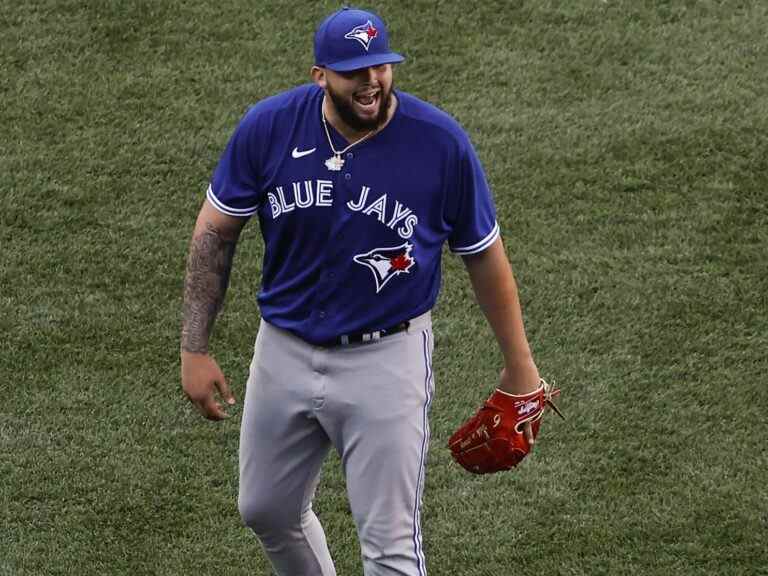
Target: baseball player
356 187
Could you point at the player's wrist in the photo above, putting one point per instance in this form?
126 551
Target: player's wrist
193 343
187 354
519 378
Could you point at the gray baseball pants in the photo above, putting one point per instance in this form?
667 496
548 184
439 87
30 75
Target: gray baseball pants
368 401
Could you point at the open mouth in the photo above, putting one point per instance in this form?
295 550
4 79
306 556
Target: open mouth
367 100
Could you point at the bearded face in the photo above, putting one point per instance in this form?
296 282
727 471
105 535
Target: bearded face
361 97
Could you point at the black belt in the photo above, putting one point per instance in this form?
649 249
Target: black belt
361 337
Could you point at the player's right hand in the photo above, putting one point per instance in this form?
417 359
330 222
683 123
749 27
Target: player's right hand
201 378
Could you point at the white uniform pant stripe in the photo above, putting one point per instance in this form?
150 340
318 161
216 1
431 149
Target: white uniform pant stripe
417 538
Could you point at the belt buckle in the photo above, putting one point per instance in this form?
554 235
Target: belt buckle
375 336
371 336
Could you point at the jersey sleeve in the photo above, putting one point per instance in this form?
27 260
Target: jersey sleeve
234 188
474 215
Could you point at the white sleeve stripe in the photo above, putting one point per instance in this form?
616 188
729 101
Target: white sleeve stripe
218 204
482 245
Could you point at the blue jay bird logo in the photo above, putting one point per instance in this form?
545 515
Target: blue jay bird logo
386 263
363 34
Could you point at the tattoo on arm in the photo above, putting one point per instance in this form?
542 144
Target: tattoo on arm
208 266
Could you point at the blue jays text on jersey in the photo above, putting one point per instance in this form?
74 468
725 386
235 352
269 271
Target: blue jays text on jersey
356 249
320 193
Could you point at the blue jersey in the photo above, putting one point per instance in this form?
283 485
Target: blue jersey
357 249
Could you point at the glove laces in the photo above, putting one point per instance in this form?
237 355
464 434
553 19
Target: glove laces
550 392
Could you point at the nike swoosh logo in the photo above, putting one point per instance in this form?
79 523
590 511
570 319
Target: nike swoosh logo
296 154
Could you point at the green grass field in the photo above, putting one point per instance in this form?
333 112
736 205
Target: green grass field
627 146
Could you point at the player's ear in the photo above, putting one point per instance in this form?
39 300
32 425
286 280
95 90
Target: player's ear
318 76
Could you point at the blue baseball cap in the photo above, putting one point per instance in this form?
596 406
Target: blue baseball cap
350 39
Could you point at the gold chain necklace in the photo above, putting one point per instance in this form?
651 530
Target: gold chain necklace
336 162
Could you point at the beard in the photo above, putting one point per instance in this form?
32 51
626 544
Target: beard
352 119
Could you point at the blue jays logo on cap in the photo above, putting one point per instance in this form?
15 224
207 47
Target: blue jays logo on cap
363 34
386 263
369 46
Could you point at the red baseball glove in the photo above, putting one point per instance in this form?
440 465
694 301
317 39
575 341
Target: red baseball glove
493 439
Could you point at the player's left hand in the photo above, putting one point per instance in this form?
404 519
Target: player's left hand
521 380
494 439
